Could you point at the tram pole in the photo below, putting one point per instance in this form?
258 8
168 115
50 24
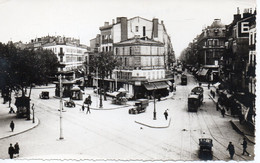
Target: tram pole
61 108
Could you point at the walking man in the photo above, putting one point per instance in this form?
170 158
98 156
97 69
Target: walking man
244 144
223 111
88 110
11 151
12 126
231 150
165 114
16 149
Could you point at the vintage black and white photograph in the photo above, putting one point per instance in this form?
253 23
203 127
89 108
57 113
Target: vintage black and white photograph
128 80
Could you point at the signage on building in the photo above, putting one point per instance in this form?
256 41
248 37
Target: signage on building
243 27
138 83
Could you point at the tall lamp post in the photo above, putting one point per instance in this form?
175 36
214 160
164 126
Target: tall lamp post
33 113
154 110
61 108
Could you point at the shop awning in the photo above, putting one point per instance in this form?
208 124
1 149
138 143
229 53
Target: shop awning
203 72
149 86
161 85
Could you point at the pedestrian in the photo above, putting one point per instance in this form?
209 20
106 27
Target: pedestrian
244 144
88 110
209 86
11 110
231 150
83 107
11 151
12 126
16 149
10 100
223 111
217 107
213 94
165 114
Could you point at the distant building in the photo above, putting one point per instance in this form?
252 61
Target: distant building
145 51
70 53
211 47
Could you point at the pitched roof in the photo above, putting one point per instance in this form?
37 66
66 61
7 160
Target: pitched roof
139 41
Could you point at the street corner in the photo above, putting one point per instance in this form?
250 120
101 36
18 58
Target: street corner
21 125
154 123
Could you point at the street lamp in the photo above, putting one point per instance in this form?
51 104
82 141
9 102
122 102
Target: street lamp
33 113
61 108
154 110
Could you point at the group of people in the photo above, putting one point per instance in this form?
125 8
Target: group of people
231 148
13 150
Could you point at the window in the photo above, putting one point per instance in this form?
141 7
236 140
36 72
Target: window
144 31
106 49
110 48
215 42
136 29
116 51
131 52
123 51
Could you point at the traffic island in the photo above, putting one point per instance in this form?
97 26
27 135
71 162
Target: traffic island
155 123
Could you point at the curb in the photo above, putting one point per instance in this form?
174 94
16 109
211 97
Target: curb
240 132
154 126
22 131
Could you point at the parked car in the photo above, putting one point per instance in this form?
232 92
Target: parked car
205 151
44 95
140 106
69 104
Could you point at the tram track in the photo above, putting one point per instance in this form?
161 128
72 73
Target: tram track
212 135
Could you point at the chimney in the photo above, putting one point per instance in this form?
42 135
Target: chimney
106 23
155 28
118 19
246 13
123 21
237 16
113 21
161 21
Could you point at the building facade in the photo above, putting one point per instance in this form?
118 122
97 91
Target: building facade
211 47
145 51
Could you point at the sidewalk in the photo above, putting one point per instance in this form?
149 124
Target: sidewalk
21 124
241 129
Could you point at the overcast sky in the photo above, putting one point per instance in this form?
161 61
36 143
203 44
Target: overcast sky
184 19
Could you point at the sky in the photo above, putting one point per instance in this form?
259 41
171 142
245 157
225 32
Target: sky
23 20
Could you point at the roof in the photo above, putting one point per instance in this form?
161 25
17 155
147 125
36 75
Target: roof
139 41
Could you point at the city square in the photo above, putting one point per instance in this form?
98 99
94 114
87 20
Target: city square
138 90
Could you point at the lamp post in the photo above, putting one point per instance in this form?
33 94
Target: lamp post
33 113
154 110
61 108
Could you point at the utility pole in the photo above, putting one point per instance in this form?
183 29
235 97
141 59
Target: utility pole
154 110
61 108
33 113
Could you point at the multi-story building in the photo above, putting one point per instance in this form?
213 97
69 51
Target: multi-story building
70 53
210 50
145 51
238 73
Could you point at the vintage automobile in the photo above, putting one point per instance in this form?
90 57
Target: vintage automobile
140 106
183 79
205 151
69 104
44 95
193 102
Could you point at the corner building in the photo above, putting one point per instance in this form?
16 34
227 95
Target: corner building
145 51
